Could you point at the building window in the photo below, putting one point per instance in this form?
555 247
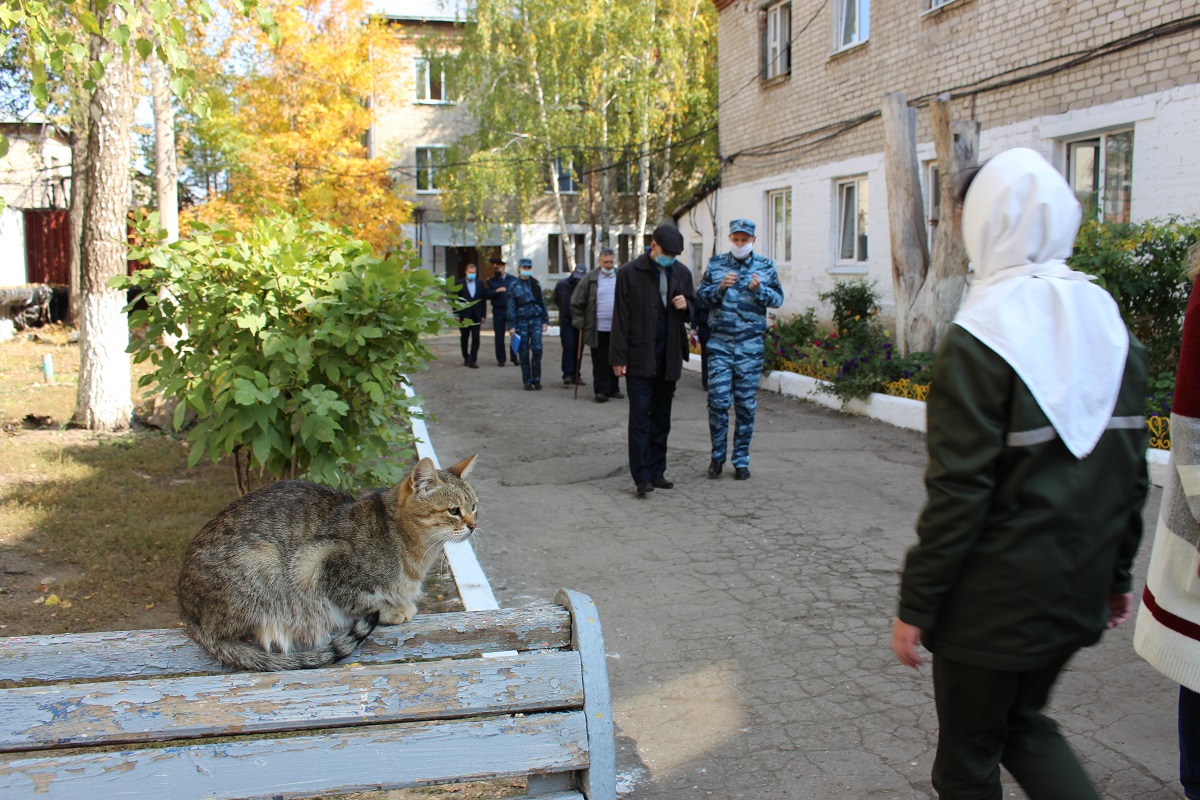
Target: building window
698 262
432 84
626 247
568 181
930 5
430 162
852 201
933 199
1100 170
558 257
778 45
853 20
779 233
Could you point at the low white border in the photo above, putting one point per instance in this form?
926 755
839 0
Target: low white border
473 587
898 411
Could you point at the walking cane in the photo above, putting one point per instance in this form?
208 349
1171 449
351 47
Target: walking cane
578 358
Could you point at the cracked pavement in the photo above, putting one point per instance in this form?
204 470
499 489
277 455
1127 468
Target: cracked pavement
748 623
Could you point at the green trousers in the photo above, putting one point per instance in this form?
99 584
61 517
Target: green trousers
988 718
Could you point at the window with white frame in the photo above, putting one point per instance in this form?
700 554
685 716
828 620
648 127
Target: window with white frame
698 260
853 21
778 45
779 226
568 181
558 256
430 162
432 81
930 5
852 201
1100 170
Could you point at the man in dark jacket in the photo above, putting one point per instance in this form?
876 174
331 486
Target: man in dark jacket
648 345
1035 484
474 312
567 333
496 290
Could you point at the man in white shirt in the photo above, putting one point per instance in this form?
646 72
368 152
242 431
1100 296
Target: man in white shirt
592 313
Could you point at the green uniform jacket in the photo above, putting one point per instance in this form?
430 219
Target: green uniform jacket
1020 543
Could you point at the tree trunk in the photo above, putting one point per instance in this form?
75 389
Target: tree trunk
79 191
166 173
643 178
548 152
957 146
910 249
104 401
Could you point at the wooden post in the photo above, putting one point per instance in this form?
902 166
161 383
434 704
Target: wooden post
906 217
957 146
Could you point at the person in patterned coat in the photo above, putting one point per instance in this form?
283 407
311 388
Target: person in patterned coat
738 288
527 316
1168 623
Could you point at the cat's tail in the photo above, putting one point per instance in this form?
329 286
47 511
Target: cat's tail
248 656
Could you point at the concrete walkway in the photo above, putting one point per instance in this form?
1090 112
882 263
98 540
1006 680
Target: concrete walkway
748 623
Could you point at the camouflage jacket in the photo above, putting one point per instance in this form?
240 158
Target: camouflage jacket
737 313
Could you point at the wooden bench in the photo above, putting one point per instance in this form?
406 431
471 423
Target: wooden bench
443 699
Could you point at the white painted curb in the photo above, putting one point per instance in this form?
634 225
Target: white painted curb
898 411
473 587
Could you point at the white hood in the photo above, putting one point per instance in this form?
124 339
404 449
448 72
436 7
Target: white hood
1061 334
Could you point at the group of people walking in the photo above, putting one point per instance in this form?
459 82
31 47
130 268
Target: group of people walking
634 320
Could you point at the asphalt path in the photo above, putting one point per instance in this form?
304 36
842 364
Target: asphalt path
747 623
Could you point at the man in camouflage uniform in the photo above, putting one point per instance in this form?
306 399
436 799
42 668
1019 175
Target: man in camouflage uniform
527 316
738 288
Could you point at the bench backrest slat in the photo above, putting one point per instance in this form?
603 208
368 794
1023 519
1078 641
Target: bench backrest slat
111 654
388 757
164 709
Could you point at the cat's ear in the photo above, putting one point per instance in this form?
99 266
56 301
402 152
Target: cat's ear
423 476
463 467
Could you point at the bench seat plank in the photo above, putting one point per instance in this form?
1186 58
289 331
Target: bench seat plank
163 709
383 757
133 654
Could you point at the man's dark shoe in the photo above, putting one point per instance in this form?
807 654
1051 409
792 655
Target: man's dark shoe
644 489
529 387
501 364
473 365
600 398
617 396
537 386
581 383
567 380
741 474
660 482
714 468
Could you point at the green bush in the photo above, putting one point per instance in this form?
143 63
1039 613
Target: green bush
1144 267
785 340
858 356
298 341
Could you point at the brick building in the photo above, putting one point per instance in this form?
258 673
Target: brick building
1107 90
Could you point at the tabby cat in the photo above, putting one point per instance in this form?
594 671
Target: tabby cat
296 575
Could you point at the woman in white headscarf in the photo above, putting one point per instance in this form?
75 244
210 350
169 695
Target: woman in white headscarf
1036 481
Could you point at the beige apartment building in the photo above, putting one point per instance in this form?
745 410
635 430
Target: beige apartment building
1107 90
416 132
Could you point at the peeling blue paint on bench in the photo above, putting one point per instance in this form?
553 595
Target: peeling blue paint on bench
420 704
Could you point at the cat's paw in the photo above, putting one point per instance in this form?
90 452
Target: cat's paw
398 615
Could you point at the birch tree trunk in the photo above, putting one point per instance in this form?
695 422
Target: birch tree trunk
166 172
548 151
643 177
104 401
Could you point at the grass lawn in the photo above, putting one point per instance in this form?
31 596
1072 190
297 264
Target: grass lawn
93 527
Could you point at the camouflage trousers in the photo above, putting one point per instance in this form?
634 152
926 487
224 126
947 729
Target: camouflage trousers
734 370
530 353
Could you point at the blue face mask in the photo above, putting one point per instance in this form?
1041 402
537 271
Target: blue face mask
665 260
606 272
471 277
525 273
